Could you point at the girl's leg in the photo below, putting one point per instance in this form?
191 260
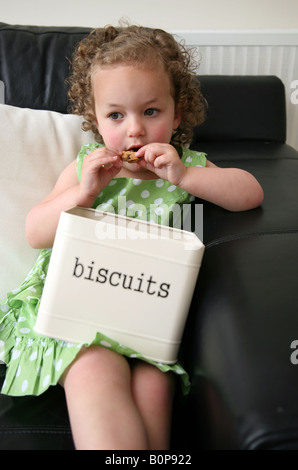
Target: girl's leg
102 411
153 394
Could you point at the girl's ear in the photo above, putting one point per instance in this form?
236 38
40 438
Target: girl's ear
177 118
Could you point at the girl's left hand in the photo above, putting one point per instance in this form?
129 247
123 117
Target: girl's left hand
163 160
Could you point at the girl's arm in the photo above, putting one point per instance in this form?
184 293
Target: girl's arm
42 220
231 188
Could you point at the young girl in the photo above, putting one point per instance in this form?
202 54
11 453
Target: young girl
136 90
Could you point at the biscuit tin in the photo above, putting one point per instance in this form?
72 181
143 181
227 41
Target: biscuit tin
126 278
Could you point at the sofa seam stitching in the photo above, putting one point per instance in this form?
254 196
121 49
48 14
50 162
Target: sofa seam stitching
242 236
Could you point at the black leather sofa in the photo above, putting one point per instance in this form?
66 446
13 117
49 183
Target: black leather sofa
243 319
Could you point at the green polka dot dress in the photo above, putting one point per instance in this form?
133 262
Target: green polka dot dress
33 362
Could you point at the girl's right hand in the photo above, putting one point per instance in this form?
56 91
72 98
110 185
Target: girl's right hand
99 167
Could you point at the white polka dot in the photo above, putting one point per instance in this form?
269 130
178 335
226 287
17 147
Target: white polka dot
136 181
32 289
18 372
159 183
104 206
58 365
46 381
4 308
159 211
158 201
48 352
189 159
171 188
133 356
130 204
24 385
21 319
15 354
145 194
122 212
123 191
106 344
24 331
33 356
112 182
1 327
179 371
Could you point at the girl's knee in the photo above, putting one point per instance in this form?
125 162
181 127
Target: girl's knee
97 360
146 376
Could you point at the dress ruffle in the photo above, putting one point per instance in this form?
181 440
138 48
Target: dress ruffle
35 362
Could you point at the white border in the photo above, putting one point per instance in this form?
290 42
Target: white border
244 37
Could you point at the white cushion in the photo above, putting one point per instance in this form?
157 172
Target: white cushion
35 146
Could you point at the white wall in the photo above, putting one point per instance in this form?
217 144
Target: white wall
167 14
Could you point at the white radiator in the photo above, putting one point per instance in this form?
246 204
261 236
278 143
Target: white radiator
252 53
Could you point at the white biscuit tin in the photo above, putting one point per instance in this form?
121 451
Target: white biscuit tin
128 279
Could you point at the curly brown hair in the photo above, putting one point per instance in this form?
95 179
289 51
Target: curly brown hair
141 46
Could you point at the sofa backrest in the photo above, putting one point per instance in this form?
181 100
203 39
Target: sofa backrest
34 63
243 108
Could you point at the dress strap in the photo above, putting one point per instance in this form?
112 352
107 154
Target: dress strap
85 150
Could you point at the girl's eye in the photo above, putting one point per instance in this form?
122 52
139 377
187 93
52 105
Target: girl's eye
151 112
115 116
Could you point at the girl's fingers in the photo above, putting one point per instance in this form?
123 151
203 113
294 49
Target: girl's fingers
97 159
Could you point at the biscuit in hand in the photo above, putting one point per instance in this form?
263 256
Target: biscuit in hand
129 156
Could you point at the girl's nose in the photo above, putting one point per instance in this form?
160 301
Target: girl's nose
135 127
